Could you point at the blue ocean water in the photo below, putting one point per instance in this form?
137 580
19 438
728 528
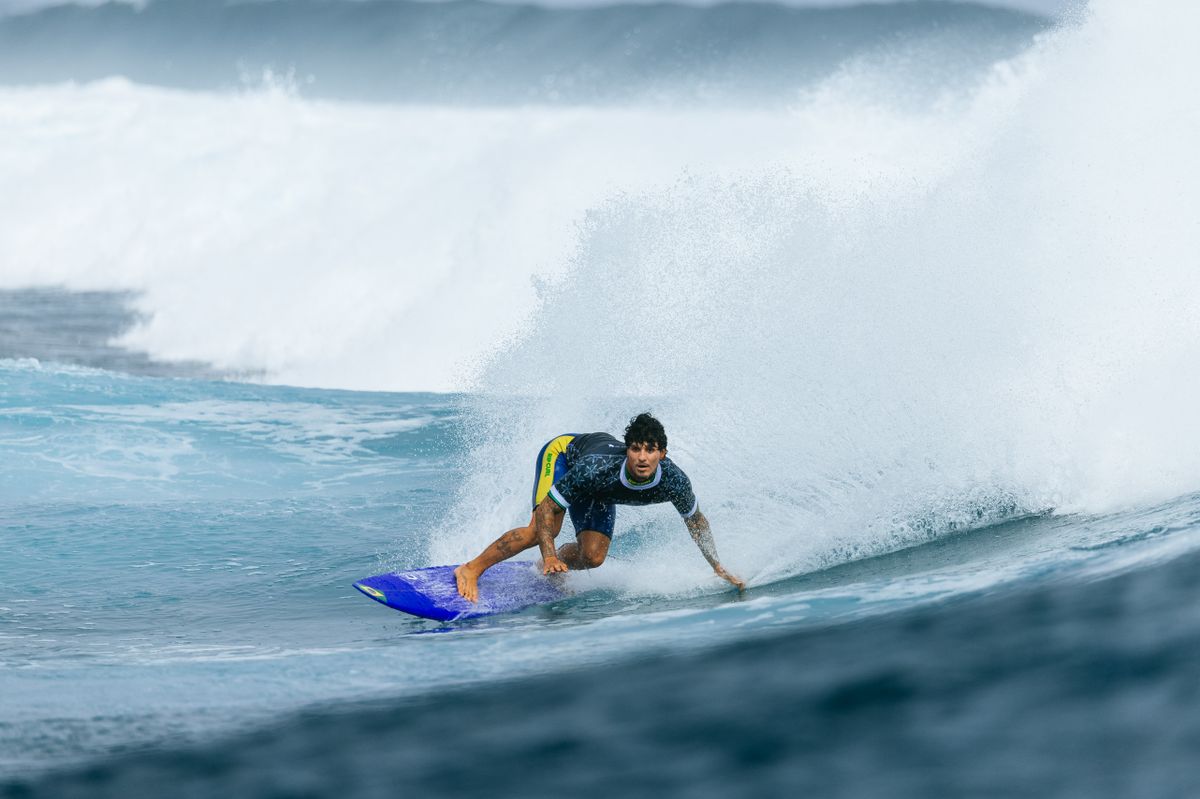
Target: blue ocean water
178 561
292 292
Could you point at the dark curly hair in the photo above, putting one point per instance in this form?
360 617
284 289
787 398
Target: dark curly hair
645 429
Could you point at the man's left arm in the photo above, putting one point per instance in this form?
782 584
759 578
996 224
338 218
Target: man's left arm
701 533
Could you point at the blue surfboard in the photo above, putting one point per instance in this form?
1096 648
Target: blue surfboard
432 593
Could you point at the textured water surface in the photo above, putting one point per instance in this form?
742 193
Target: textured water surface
196 579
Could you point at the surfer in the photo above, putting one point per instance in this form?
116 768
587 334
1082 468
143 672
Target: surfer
587 476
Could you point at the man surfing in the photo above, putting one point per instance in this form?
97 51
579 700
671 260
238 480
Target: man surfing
588 476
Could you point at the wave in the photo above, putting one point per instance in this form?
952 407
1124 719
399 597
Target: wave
999 325
323 244
73 329
865 323
79 434
489 53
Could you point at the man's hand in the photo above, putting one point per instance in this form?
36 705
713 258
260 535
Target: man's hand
701 533
552 564
724 575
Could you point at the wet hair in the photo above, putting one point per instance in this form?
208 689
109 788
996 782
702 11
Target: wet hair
645 429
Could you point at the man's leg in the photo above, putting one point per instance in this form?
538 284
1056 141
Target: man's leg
515 540
547 469
588 552
594 522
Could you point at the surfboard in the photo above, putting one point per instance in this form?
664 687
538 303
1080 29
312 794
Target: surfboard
432 593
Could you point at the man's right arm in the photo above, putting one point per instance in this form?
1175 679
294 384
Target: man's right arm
701 533
544 527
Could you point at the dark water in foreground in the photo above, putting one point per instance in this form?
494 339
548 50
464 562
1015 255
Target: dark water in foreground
1077 687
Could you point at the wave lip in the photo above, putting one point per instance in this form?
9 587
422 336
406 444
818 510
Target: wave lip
479 52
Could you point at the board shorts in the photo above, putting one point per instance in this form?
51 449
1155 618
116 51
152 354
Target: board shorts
587 515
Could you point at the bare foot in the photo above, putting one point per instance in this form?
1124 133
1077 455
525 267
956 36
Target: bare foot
468 582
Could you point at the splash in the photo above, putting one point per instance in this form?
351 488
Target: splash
367 247
894 342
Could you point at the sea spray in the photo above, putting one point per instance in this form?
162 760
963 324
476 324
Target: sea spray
997 324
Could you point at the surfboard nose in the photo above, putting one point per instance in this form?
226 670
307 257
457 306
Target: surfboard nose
374 593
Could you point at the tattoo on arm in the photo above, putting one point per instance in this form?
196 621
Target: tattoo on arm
702 534
543 526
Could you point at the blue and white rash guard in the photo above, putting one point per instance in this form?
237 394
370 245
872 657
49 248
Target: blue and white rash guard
595 472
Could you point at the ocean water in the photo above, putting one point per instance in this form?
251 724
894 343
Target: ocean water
487 54
292 300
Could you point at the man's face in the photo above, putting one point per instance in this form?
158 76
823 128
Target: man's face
642 460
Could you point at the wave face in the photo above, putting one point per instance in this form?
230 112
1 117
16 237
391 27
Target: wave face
994 318
487 53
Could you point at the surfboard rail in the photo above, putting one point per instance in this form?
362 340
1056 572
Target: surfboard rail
432 593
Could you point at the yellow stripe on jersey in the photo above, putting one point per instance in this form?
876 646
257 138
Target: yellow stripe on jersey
550 454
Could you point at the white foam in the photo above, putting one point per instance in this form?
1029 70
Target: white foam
365 247
1002 320
862 324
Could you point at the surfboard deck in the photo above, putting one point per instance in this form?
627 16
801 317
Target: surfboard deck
432 593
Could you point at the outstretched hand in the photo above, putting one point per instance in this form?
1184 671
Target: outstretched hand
553 564
736 582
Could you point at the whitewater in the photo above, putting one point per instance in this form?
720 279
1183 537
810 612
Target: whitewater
921 320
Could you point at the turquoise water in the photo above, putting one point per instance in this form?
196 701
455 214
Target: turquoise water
163 534
179 556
